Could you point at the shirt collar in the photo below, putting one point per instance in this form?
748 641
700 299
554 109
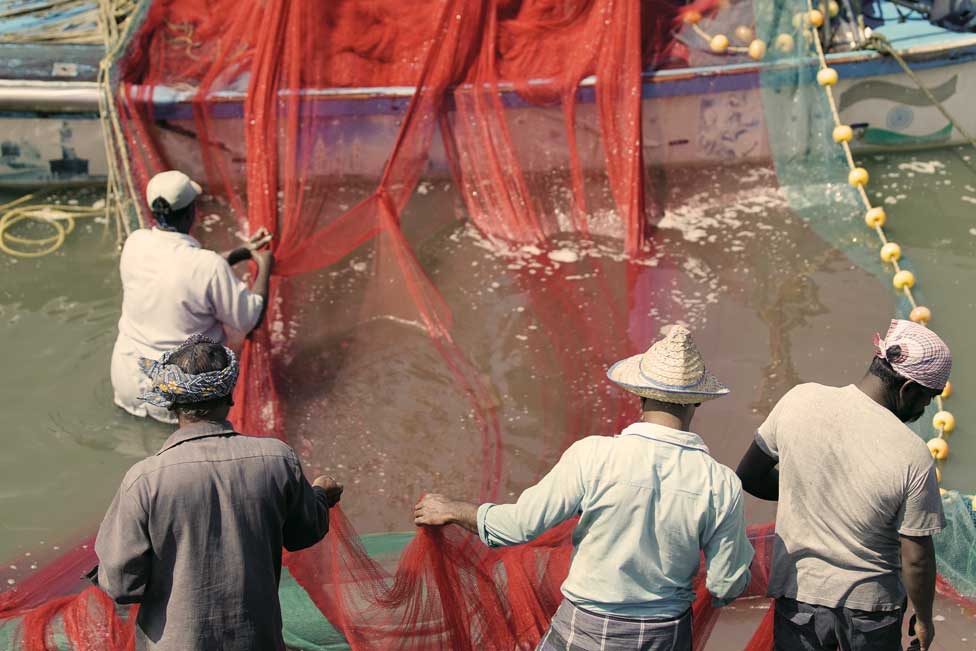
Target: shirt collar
198 430
184 237
666 435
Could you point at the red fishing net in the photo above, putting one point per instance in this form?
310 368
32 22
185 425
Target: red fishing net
270 104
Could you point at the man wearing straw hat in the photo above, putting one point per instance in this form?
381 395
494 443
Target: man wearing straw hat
650 500
858 500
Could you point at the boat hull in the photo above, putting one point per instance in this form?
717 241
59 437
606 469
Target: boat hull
691 116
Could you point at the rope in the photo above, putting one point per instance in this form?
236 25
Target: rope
58 21
58 217
115 24
879 43
941 421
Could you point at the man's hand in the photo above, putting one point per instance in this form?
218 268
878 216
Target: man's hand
333 489
924 632
434 510
259 240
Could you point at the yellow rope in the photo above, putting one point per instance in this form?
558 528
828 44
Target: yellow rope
58 217
879 230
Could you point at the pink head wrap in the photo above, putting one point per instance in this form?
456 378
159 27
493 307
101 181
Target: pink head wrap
923 357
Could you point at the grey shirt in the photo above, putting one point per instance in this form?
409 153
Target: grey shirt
852 478
195 534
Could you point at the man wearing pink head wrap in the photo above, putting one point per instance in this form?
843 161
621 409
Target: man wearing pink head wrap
858 500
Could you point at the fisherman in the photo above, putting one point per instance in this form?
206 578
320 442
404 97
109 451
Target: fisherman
858 500
649 501
172 288
194 534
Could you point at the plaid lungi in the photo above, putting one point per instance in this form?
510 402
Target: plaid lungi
575 629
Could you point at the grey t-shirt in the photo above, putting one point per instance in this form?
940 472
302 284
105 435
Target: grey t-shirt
852 478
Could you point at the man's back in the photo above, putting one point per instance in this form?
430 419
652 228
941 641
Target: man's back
650 500
172 289
216 509
852 478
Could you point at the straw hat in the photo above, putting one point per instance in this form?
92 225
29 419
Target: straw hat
672 370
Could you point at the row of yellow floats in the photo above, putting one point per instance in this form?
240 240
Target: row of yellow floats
756 48
903 280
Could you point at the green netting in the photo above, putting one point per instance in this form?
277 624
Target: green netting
305 627
955 547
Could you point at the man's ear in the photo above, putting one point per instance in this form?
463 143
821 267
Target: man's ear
907 391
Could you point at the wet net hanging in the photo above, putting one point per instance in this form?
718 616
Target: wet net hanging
519 144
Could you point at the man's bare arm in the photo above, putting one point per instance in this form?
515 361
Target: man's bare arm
918 575
265 261
758 474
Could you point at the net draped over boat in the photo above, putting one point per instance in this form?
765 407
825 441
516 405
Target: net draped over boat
520 127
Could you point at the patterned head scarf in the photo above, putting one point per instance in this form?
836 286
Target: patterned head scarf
172 386
916 353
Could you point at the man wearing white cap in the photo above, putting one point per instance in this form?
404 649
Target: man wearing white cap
858 500
649 501
172 288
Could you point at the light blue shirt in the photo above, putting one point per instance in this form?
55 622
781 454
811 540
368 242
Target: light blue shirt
650 501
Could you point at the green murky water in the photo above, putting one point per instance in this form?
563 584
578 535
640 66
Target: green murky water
65 446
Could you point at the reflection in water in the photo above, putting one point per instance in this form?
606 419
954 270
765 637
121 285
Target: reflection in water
793 302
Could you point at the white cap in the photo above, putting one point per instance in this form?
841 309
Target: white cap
178 189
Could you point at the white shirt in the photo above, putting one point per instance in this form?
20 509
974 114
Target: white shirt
650 501
171 289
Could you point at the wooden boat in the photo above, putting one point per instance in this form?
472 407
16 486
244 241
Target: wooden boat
710 110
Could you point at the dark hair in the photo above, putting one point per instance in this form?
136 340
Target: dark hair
166 216
881 368
201 357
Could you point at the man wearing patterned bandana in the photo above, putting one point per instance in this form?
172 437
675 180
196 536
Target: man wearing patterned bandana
195 532
858 500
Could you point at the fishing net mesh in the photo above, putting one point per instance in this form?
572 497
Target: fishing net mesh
516 142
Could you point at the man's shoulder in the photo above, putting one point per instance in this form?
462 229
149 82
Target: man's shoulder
268 445
138 471
917 453
137 241
808 390
724 479
246 446
588 446
138 236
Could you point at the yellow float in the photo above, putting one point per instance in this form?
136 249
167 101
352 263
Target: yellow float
875 217
939 449
903 279
944 421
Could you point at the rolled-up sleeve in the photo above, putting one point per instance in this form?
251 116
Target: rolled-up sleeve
124 549
307 519
728 554
554 499
233 303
